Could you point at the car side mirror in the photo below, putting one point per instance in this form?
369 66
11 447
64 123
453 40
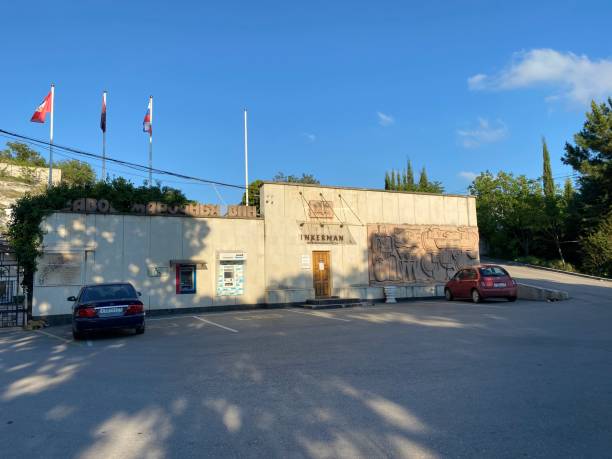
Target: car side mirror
139 293
71 298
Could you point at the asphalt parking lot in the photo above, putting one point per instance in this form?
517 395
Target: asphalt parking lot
417 379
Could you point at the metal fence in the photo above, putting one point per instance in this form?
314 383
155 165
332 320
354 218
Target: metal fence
12 301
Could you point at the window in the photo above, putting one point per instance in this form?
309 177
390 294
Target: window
185 279
108 292
493 271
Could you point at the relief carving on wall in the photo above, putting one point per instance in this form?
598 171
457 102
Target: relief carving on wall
399 254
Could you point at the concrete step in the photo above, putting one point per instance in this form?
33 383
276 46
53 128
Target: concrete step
331 305
333 300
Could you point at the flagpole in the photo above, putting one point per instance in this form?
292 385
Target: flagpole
246 158
151 144
51 136
104 140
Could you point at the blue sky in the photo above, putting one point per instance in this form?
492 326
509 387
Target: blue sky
343 90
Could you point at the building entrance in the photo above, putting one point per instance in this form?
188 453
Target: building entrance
321 273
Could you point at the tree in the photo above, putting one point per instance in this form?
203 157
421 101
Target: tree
591 157
597 247
253 194
554 209
21 154
305 178
548 183
75 172
423 182
510 212
409 178
387 181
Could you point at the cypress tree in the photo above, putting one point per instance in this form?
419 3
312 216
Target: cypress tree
409 178
423 182
547 179
393 185
387 181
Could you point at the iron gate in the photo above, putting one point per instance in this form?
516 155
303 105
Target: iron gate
12 301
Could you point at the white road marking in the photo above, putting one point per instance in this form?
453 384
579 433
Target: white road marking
323 315
216 324
55 336
170 318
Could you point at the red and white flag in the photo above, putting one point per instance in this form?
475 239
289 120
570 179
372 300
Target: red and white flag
147 124
41 112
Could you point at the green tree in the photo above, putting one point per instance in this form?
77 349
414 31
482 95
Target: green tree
423 182
510 212
597 248
591 157
253 194
393 181
553 223
548 183
21 154
409 178
308 179
76 172
387 181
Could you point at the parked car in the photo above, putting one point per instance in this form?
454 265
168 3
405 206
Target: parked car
107 306
481 282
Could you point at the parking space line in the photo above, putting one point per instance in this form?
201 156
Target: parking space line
323 315
56 337
172 317
216 324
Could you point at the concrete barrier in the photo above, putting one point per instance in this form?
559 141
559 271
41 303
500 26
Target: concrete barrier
532 292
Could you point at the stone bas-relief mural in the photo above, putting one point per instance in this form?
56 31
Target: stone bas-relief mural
401 254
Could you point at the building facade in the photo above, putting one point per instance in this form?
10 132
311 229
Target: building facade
309 242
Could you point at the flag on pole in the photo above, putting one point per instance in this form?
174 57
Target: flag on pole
103 114
42 110
147 124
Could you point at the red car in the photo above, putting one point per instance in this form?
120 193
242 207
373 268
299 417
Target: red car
481 282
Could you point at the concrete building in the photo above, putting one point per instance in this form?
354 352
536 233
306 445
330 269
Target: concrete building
310 241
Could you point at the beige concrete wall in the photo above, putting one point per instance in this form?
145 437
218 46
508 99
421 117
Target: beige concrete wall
38 174
97 248
285 207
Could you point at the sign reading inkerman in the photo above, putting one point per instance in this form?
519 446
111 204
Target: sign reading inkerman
317 233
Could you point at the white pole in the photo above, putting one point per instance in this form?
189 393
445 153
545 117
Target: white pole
151 144
51 136
246 158
104 139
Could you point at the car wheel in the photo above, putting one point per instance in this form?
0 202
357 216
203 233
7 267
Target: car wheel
140 330
448 295
476 296
77 335
511 298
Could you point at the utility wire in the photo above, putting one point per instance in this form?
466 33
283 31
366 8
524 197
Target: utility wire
128 164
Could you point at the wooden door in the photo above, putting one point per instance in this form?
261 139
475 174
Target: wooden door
321 274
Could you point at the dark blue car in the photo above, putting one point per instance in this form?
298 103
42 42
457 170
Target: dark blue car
107 306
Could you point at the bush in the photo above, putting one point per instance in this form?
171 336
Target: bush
554 264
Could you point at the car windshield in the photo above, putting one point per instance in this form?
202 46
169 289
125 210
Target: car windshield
108 292
493 271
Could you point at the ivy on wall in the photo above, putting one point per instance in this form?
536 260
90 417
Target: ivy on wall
27 213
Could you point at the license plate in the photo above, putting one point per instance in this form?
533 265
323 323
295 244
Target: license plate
110 311
499 284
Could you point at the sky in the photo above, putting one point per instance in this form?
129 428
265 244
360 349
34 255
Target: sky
343 90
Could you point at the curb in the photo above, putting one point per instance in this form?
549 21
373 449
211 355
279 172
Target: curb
533 292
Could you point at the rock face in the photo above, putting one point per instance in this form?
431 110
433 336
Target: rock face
10 191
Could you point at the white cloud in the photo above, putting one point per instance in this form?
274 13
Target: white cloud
485 132
575 78
309 136
469 176
384 119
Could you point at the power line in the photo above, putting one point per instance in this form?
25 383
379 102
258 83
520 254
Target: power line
128 164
